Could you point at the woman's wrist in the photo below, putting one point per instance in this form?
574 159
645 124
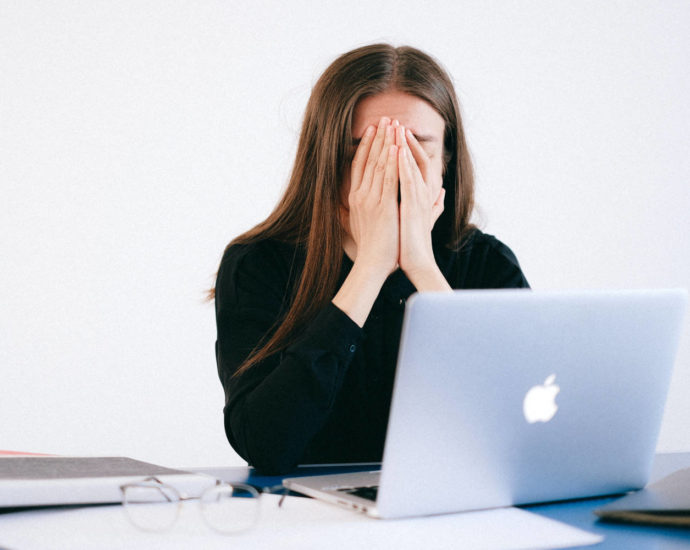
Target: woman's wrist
359 291
428 278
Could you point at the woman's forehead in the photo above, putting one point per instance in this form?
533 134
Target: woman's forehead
411 111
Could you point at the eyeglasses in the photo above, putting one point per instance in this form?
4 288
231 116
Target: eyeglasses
228 508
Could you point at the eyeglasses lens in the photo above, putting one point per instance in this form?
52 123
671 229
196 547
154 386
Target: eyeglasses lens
151 508
230 509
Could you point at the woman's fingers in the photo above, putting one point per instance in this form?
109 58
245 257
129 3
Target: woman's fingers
359 161
410 174
407 174
413 186
374 154
418 153
437 208
381 169
390 177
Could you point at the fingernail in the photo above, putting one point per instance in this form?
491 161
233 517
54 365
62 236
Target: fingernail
396 123
409 133
369 131
384 122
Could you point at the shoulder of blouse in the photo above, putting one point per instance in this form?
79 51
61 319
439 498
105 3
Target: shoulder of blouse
485 262
492 245
262 267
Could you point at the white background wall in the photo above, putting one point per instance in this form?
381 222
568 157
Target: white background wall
137 138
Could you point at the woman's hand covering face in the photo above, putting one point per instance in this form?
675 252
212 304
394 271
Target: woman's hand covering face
373 198
421 203
390 159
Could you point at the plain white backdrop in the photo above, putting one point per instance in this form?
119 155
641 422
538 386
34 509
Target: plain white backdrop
138 138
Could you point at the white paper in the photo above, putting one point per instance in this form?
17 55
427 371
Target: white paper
301 524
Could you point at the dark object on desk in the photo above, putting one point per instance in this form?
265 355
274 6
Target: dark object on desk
274 484
666 502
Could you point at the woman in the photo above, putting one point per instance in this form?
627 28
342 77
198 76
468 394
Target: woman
309 303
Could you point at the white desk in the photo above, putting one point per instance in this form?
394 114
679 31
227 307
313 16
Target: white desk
300 523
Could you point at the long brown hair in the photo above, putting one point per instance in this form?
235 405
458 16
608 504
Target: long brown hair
308 213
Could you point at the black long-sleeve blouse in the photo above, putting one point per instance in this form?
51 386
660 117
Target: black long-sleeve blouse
326 397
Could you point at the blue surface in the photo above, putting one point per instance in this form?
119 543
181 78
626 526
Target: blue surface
580 514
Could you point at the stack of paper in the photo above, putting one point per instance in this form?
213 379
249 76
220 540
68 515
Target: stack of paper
51 480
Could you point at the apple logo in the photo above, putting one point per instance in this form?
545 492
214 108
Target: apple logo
540 402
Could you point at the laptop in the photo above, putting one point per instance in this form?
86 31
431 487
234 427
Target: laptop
507 397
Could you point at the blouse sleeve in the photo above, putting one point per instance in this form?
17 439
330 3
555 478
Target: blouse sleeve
275 408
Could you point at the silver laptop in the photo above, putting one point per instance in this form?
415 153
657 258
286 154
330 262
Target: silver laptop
515 396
